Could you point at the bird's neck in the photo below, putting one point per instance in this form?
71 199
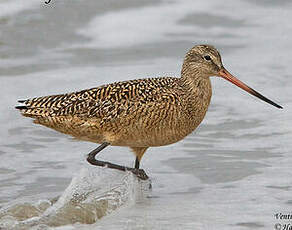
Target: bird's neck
194 80
199 92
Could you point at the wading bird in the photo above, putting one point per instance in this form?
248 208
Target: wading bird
137 113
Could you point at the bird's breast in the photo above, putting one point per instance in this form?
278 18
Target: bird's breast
166 126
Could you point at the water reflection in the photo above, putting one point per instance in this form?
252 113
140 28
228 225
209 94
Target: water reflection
212 164
208 20
220 166
270 3
24 146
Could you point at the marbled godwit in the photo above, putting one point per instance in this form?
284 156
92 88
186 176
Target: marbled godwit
137 113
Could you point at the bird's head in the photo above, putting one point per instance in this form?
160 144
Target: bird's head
205 61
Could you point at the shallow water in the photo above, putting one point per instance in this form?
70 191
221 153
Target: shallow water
233 172
91 195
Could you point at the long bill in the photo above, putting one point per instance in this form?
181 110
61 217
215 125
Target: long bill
228 76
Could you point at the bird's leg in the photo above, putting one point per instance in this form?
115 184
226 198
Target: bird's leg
137 163
91 156
139 151
91 159
139 172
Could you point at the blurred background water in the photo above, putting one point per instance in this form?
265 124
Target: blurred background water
233 172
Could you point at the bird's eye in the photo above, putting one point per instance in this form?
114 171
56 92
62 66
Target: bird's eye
207 58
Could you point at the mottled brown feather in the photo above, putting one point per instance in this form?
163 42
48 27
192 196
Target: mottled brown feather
137 113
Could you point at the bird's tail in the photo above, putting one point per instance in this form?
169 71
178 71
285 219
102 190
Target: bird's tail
29 109
42 106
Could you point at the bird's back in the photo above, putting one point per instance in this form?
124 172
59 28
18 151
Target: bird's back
115 111
88 102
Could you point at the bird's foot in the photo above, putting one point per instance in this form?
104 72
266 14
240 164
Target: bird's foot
140 173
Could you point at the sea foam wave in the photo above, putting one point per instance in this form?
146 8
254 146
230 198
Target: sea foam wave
92 194
11 7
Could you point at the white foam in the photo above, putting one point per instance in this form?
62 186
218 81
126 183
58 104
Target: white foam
11 7
138 26
93 193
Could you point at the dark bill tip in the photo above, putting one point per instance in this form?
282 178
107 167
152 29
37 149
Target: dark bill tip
260 96
228 76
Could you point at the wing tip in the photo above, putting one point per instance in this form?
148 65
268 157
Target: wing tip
22 104
21 107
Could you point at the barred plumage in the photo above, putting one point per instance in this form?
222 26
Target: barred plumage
108 108
137 113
